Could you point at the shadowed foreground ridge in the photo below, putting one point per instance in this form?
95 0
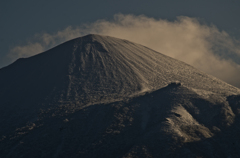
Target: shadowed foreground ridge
99 96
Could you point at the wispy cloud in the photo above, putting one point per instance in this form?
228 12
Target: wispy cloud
26 50
203 46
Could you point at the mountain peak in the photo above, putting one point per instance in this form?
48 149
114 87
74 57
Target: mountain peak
100 68
100 96
93 37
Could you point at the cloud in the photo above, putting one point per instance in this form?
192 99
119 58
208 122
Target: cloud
26 51
200 45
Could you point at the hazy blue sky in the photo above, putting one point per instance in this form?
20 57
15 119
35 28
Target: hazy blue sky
22 20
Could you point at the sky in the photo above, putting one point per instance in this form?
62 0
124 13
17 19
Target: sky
202 33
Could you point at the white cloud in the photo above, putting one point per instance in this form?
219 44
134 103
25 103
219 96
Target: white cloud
186 39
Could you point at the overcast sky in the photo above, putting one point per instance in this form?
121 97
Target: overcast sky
203 33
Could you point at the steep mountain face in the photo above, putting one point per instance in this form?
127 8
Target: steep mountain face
99 96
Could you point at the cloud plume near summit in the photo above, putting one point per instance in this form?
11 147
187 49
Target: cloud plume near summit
200 45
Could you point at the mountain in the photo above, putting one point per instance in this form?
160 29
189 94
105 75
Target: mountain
99 96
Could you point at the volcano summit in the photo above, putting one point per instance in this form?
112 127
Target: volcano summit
99 96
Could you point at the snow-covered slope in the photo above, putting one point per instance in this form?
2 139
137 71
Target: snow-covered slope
86 97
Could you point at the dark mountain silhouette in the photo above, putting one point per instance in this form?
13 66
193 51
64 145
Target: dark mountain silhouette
99 96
